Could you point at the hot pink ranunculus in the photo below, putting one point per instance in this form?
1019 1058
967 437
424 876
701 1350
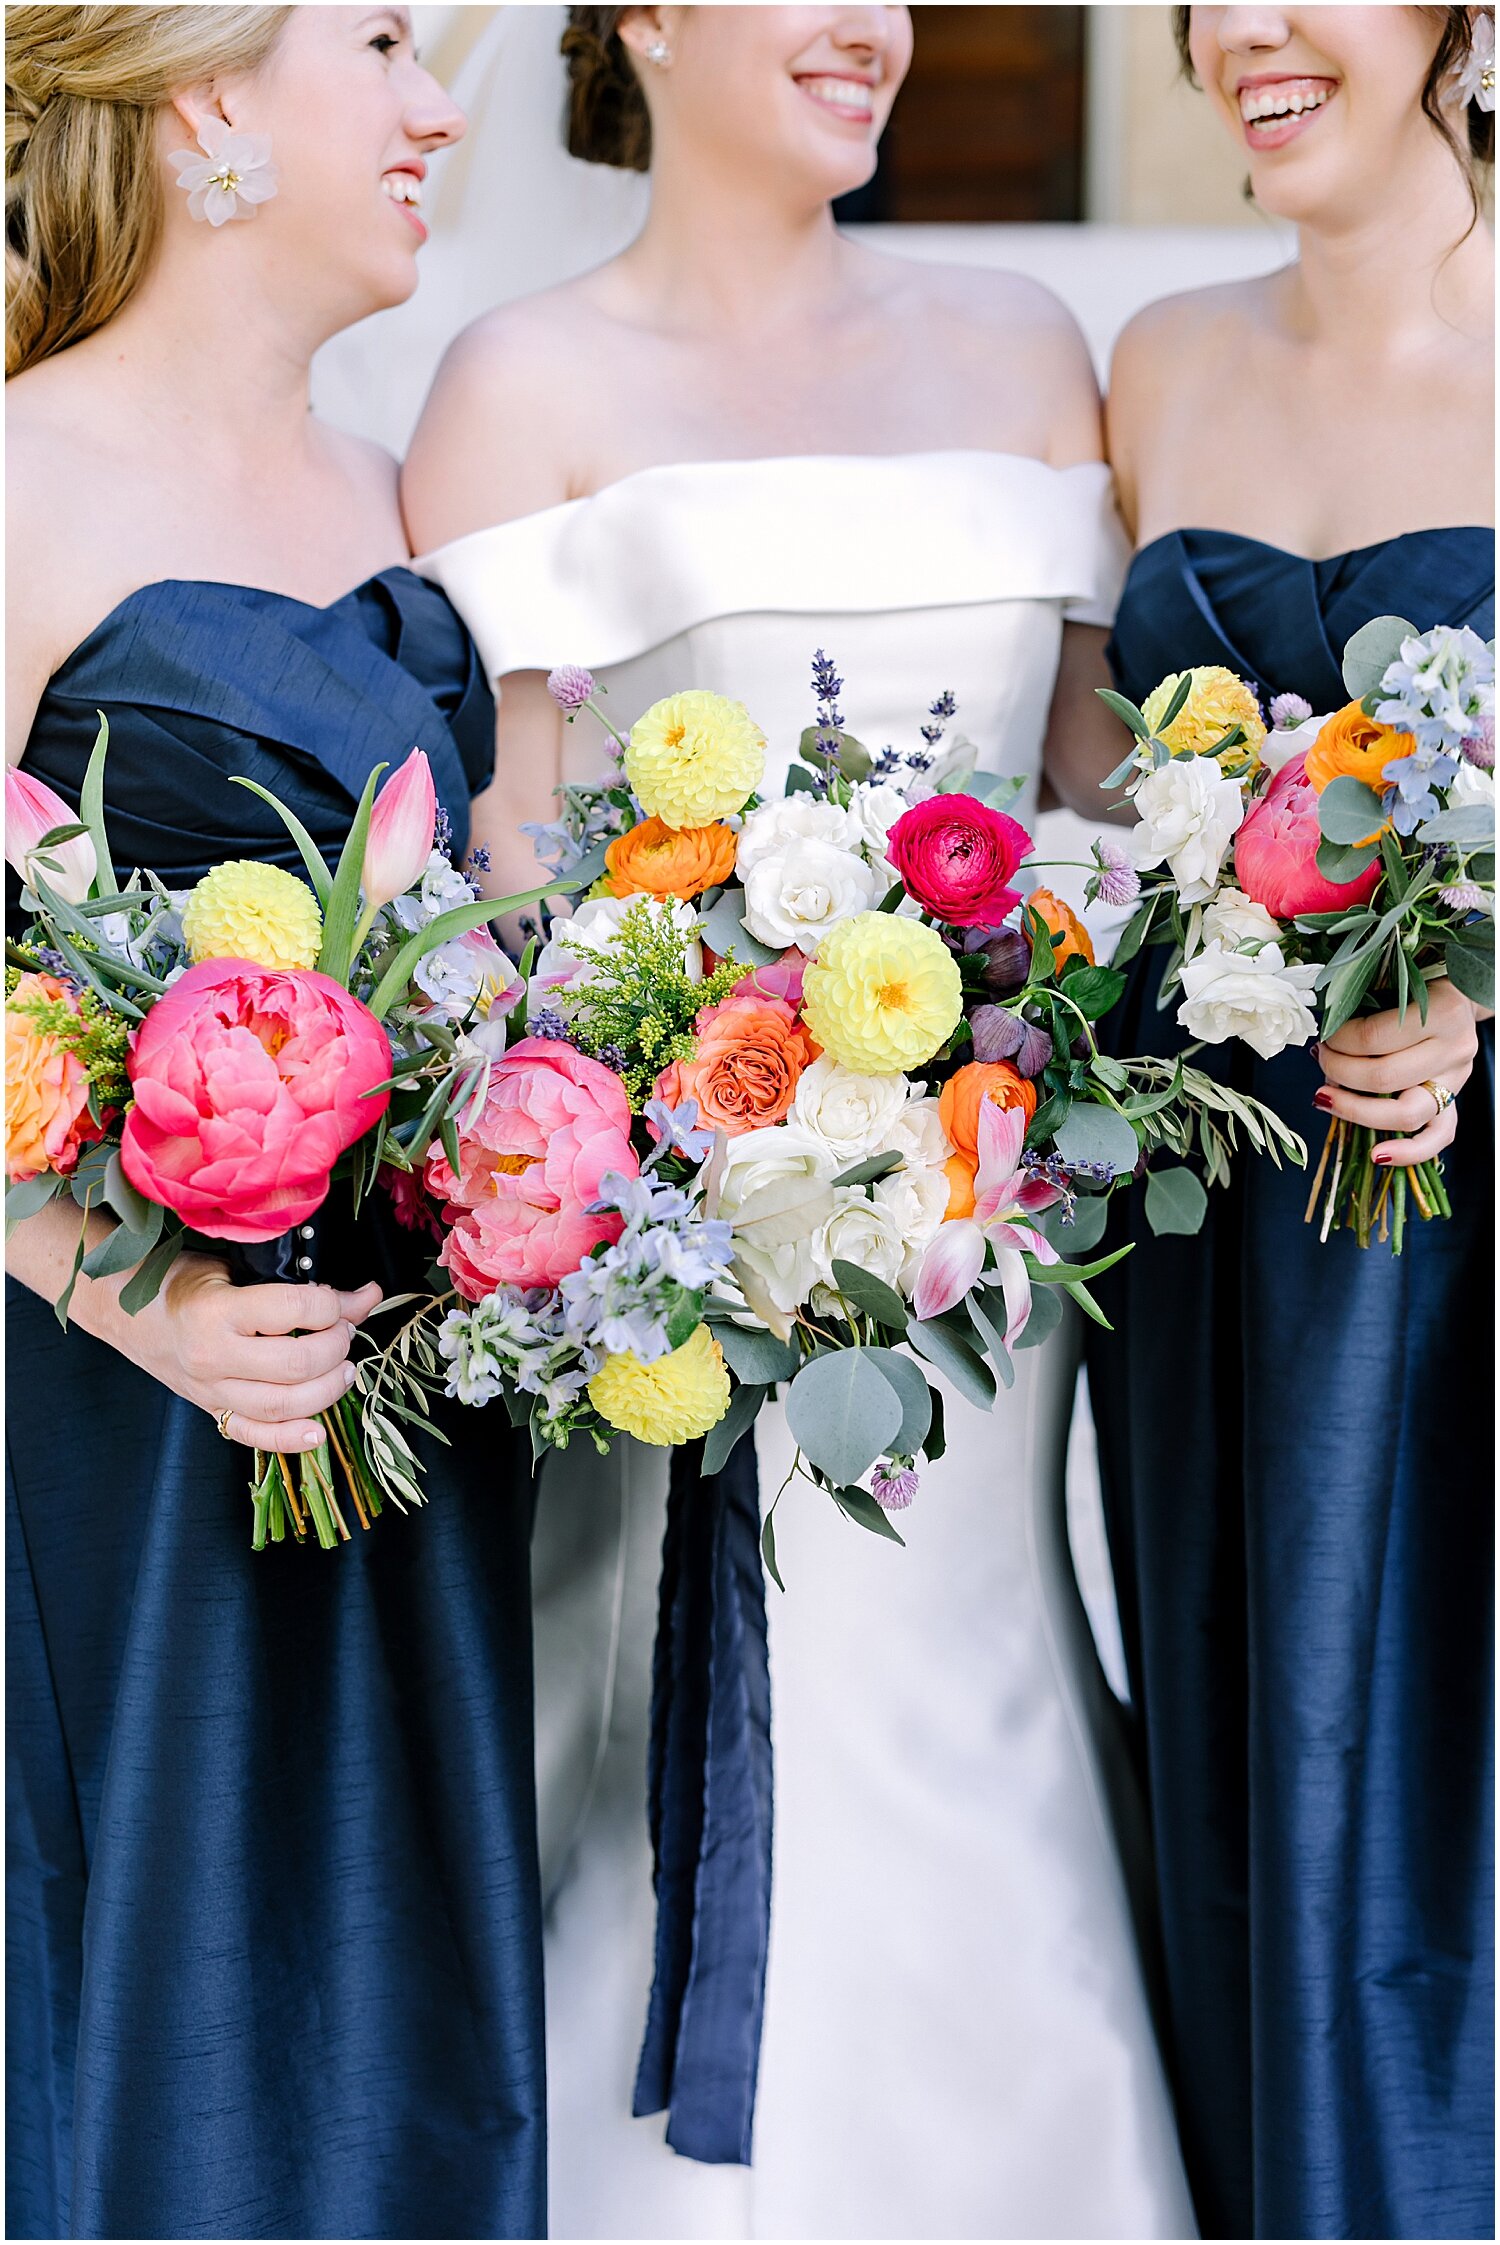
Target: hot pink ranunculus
957 857
1276 849
249 1084
553 1123
778 978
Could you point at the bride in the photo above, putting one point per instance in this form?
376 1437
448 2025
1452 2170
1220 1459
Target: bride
744 439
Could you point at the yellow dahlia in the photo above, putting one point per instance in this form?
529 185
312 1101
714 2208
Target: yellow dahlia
1217 701
673 1400
246 911
883 994
695 758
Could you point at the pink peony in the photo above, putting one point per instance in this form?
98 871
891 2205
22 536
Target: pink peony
249 1084
532 1158
957 857
1276 849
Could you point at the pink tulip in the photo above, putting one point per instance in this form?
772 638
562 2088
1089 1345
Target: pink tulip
1276 852
402 825
532 1160
32 810
249 1084
1002 1192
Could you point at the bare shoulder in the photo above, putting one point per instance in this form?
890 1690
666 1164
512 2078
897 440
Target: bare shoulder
493 437
1185 340
58 532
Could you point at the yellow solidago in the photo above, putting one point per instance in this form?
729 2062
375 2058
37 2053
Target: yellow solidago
883 994
676 1399
1217 702
695 758
246 911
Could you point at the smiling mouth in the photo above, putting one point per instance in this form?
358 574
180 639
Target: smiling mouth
850 98
403 187
1274 113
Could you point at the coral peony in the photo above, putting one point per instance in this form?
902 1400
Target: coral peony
958 857
694 758
249 1084
552 1125
242 910
47 1120
1351 745
1276 849
654 859
674 1399
750 1053
1062 920
883 994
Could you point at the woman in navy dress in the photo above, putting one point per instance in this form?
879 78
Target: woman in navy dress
274 1943
1295 1437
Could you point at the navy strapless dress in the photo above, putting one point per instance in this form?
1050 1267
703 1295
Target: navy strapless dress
274 1963
1296 1448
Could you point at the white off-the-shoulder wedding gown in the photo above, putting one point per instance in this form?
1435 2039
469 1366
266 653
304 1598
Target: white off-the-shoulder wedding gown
957 2040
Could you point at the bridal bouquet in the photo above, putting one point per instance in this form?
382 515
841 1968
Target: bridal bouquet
806 1092
1319 868
204 1064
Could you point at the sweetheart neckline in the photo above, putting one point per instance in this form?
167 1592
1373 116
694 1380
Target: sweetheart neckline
1310 561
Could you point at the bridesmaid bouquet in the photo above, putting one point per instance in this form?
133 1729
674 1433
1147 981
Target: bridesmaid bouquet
204 1064
1319 868
804 1092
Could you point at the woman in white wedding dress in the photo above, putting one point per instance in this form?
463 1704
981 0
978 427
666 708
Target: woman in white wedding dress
740 441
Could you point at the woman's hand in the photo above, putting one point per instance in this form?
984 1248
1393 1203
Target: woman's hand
1378 1067
272 1356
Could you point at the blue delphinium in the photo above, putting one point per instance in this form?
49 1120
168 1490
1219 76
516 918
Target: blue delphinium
625 1296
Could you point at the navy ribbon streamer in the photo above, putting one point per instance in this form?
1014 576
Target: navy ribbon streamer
710 1812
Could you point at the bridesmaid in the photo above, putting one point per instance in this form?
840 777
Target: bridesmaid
1297 1461
274 1963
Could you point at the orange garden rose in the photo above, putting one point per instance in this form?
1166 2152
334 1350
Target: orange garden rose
47 1120
1077 943
1354 746
654 859
958 1111
751 1051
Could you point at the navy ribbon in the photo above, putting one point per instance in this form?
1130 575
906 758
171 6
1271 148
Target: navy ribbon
710 1812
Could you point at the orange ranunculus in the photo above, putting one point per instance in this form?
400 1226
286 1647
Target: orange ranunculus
958 1105
751 1052
1076 943
960 1173
47 1117
658 860
1354 746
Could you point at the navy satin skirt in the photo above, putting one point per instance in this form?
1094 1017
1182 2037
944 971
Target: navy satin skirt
1297 1453
274 1962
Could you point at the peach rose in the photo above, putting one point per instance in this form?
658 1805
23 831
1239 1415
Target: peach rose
47 1119
654 859
751 1051
1354 746
1064 921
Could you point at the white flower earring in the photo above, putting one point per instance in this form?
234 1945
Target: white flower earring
659 53
230 178
1473 79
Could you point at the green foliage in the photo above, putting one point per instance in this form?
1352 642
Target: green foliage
639 1002
82 1026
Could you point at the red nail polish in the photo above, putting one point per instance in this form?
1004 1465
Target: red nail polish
1323 1100
1383 1159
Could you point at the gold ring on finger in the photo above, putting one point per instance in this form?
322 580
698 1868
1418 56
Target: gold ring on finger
1441 1094
222 1419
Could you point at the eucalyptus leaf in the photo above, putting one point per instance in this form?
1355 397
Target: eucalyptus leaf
843 1413
859 1506
1046 1316
585 871
1349 812
870 1294
132 1208
1370 653
756 1357
1471 824
724 931
1175 1201
910 1383
30 1196
1345 861
1098 1134
963 1365
1471 969
998 789
737 1420
1090 1215
146 1284
768 1546
121 1250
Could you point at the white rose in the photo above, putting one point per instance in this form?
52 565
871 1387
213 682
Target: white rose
559 969
1471 785
874 807
796 893
915 1196
863 1232
798 818
849 1114
775 1191
1232 918
1254 996
1189 813
1283 742
918 1136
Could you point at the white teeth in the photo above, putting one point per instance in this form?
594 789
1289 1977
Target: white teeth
1261 103
402 187
839 93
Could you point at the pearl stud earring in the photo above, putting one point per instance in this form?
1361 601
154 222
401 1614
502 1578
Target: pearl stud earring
659 53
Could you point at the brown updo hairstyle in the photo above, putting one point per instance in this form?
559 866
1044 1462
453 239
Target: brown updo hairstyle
1452 49
608 121
83 184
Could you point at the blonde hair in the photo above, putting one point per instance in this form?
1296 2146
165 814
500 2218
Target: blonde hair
83 181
